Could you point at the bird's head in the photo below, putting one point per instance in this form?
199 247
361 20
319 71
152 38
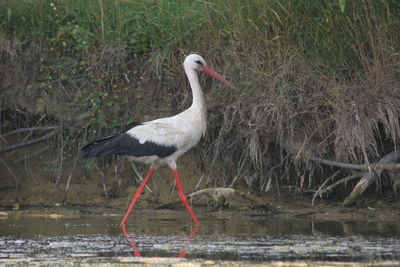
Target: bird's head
197 62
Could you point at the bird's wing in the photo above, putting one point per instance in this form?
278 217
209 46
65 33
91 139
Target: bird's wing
161 133
139 141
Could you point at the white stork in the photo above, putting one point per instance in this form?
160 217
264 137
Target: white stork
162 141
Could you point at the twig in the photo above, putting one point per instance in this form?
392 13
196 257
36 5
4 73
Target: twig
69 178
30 133
31 155
3 139
116 173
29 172
199 182
216 153
29 143
239 170
104 179
323 184
268 186
61 159
21 130
322 190
11 172
139 176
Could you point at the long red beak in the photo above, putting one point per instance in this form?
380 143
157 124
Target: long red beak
213 73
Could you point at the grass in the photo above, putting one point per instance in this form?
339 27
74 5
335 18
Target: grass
315 78
81 25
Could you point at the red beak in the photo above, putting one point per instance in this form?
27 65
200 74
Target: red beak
213 73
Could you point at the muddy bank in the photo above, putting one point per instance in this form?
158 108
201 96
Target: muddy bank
31 184
289 208
88 197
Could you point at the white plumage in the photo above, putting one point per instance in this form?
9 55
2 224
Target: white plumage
183 130
162 141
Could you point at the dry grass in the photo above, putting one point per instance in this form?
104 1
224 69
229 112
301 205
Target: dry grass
289 107
313 80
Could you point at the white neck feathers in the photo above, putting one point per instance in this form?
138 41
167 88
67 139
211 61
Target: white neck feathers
198 99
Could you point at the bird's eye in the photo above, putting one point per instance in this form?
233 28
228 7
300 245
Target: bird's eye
199 62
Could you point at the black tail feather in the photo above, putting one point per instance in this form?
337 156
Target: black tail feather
98 148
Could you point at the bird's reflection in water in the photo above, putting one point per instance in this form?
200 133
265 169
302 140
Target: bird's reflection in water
185 244
182 252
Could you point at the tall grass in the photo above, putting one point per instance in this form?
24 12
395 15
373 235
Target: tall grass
140 26
314 79
319 30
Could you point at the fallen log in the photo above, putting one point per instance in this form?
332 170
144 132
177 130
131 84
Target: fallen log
221 198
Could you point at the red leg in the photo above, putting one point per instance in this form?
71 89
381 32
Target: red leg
183 197
137 195
136 251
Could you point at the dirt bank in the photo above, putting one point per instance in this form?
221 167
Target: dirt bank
102 185
88 196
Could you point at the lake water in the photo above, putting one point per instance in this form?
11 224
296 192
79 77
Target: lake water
234 236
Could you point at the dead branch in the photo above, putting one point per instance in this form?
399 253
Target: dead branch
380 165
69 178
215 193
367 179
223 195
138 175
323 190
24 158
32 142
59 175
333 163
104 179
17 183
323 185
21 130
56 130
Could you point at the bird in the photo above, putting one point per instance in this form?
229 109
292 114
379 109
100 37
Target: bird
162 141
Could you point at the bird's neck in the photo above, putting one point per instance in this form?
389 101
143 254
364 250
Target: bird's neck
198 98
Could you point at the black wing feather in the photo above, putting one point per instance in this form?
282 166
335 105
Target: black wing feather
124 144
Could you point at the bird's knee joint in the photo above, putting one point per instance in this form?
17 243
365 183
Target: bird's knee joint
182 196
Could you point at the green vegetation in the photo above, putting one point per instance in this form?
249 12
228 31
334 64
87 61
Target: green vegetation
315 78
81 26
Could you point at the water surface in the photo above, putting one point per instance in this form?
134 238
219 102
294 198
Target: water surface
237 236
